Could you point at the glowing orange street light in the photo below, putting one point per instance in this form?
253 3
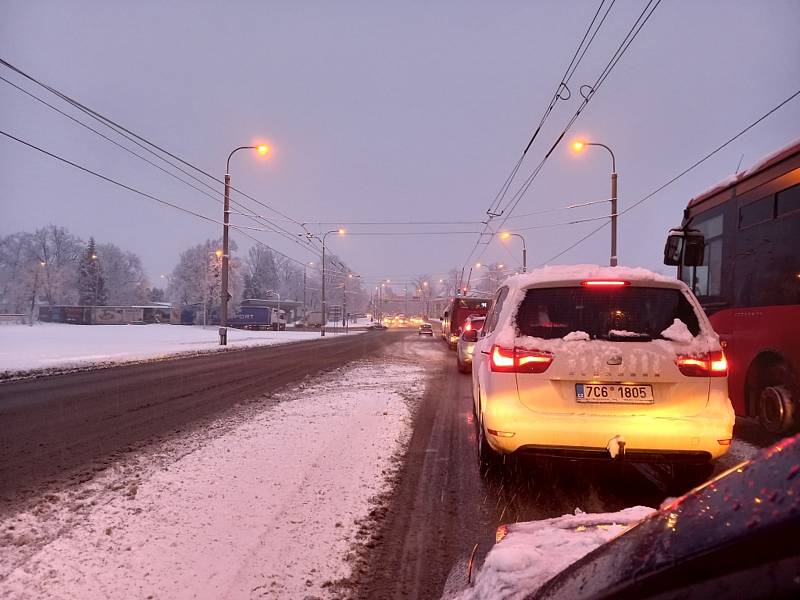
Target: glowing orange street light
506 235
579 145
218 253
226 213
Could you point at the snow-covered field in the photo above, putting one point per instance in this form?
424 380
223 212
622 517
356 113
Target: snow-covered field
59 345
266 503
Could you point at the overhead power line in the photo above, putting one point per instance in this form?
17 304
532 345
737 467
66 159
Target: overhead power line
129 188
669 182
570 71
587 92
562 87
146 144
214 194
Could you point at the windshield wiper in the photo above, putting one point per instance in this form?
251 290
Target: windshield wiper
628 336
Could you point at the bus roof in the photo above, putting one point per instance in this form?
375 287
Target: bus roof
761 165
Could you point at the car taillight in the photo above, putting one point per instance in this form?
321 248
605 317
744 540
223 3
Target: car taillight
519 360
712 364
604 283
502 359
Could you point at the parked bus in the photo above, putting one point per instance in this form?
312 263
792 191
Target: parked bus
738 248
457 311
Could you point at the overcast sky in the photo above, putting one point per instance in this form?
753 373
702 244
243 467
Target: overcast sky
410 111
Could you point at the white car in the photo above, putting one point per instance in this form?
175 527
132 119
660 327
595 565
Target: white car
601 362
466 343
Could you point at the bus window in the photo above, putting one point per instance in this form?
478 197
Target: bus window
789 200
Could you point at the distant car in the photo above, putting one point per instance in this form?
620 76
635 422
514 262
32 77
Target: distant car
377 326
425 329
602 362
735 537
466 343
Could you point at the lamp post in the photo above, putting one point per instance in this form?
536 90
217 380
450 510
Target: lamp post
344 300
324 302
226 213
508 235
305 278
35 285
578 146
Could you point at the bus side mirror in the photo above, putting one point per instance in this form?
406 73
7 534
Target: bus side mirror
673 248
684 247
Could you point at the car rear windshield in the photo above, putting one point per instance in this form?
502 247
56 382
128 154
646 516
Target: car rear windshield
618 314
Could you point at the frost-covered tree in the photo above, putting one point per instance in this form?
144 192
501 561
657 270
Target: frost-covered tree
260 272
156 294
60 251
91 279
16 268
197 278
125 281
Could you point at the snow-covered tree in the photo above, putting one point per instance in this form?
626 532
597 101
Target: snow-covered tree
91 279
260 272
16 268
197 278
60 251
125 281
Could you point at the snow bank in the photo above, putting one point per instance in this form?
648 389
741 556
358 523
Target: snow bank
266 505
532 553
60 345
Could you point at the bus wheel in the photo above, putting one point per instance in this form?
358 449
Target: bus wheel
776 409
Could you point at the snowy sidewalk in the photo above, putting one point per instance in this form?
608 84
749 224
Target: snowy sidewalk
266 503
59 345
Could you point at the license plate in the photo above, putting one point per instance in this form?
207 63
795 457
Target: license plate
616 392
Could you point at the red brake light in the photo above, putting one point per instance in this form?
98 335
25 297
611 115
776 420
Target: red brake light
713 364
519 360
502 359
468 326
604 283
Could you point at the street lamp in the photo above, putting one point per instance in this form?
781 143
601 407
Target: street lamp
508 235
262 149
344 299
96 278
305 278
324 302
578 146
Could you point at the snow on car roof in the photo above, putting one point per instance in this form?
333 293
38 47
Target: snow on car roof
582 272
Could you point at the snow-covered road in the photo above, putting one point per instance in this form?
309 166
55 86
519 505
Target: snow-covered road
266 503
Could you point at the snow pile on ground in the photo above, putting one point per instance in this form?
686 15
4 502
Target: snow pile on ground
60 345
532 553
265 503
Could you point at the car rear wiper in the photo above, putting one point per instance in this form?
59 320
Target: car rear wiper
628 336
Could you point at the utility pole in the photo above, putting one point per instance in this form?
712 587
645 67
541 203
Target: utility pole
226 213
613 261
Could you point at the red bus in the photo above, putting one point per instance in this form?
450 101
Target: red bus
738 248
456 312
